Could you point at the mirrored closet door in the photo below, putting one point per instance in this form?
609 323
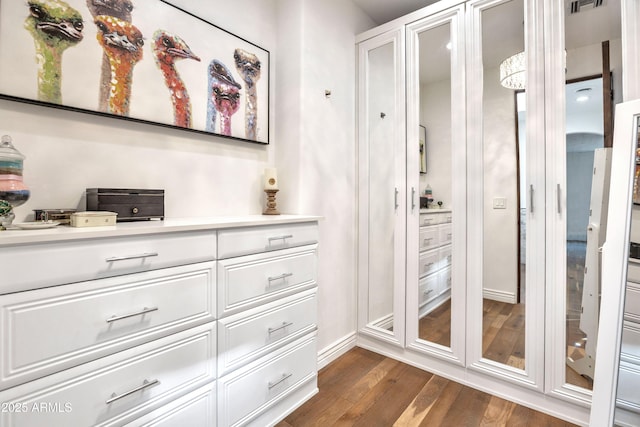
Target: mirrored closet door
436 177
382 182
506 273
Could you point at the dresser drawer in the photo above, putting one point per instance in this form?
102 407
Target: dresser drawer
632 302
251 334
251 390
252 240
72 324
429 219
445 256
195 409
429 262
444 234
628 391
630 342
119 388
428 288
245 282
48 264
429 238
445 280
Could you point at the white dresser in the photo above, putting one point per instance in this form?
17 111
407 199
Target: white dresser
435 259
628 398
174 323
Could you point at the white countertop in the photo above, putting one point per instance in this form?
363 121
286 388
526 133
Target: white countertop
65 232
434 210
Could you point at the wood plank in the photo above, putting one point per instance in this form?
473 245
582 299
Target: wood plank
384 403
389 393
497 413
419 408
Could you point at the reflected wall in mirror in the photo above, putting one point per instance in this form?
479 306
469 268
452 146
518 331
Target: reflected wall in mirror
504 263
593 87
434 312
382 215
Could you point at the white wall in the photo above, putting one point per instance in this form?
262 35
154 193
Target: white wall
500 266
312 46
435 116
202 175
315 151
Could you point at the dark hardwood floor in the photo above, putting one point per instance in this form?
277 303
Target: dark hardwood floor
362 388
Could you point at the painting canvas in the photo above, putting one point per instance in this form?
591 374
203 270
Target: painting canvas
144 60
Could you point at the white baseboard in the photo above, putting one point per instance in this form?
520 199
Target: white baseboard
502 296
336 349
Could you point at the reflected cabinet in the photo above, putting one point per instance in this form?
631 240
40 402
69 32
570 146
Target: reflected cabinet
485 130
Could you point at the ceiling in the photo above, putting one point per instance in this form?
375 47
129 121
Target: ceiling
382 11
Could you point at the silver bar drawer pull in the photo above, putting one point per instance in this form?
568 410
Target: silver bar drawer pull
125 258
145 384
126 316
283 378
285 237
280 277
279 328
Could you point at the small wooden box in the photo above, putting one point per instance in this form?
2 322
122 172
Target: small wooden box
129 204
93 219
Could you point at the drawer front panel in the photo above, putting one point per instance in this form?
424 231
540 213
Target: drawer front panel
445 280
445 234
428 219
631 342
429 262
428 288
632 303
249 335
197 408
628 391
429 238
72 324
253 240
68 262
244 394
245 282
445 256
119 388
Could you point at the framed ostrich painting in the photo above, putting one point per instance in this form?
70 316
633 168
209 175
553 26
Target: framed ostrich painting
142 60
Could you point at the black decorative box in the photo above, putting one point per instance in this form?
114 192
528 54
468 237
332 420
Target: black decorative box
129 204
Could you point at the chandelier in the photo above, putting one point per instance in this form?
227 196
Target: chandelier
513 72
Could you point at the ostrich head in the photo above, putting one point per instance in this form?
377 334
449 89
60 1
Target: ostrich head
54 23
226 95
248 65
168 48
121 9
120 39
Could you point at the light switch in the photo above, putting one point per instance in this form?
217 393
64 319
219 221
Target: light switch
499 203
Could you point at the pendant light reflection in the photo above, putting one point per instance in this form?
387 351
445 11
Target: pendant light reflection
513 72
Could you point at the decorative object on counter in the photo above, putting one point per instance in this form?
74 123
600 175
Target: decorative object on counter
439 204
63 216
6 214
12 188
35 225
93 219
129 204
428 194
62 45
271 188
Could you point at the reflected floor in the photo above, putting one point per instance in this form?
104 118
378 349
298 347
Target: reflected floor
576 339
503 335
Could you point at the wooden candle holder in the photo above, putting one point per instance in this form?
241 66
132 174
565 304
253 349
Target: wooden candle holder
271 203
